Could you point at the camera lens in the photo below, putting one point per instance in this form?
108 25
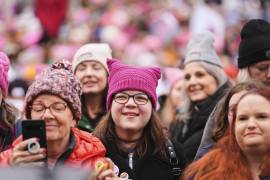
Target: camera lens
33 147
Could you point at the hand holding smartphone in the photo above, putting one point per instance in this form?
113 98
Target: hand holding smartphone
34 129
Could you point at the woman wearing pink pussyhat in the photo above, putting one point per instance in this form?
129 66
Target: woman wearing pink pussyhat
89 65
132 132
8 113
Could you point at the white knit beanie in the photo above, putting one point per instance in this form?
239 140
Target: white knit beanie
201 48
92 52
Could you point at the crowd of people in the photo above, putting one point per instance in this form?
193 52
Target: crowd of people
35 33
160 97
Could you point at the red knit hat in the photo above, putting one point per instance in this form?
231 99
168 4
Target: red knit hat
124 77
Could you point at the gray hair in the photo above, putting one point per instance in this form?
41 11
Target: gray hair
216 71
220 76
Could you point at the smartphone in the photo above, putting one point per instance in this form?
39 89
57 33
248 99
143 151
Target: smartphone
34 129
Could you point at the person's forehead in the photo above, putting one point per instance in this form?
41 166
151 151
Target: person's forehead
48 98
236 97
90 62
132 92
267 62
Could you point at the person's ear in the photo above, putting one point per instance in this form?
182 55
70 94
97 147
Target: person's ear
73 123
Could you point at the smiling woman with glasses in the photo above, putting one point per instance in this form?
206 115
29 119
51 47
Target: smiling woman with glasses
131 132
54 97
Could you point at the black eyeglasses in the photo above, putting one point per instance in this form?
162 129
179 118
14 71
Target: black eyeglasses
139 99
55 108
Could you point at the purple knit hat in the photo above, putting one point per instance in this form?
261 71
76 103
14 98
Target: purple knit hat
4 66
123 77
58 79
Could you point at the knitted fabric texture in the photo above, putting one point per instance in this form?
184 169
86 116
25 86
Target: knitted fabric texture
172 75
124 77
4 67
201 48
255 43
92 52
58 79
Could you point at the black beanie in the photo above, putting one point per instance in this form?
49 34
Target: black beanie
255 43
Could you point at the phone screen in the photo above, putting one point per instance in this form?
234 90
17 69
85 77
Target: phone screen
34 129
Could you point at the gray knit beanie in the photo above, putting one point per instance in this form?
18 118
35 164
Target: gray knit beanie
201 48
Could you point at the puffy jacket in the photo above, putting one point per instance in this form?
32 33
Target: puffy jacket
86 151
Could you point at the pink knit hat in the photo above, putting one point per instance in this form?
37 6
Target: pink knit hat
172 75
4 66
124 77
58 79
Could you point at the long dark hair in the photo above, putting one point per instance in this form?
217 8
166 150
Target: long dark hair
103 102
8 113
153 138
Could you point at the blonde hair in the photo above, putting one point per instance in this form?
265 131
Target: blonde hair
243 75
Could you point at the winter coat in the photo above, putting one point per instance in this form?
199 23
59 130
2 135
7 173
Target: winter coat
190 134
151 166
85 149
207 141
89 124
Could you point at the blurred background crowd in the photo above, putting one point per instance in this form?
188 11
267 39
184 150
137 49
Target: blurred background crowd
35 33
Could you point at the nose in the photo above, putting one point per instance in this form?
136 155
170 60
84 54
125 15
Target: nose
89 72
47 114
251 123
268 72
130 102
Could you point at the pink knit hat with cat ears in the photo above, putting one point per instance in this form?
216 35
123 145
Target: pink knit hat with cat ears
4 67
124 77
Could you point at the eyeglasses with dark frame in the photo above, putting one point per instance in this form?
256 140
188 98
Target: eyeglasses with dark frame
55 108
123 98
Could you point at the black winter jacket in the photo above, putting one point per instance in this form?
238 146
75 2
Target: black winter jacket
195 125
151 166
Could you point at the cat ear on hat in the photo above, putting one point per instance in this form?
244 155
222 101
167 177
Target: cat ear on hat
110 62
4 61
114 64
155 71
